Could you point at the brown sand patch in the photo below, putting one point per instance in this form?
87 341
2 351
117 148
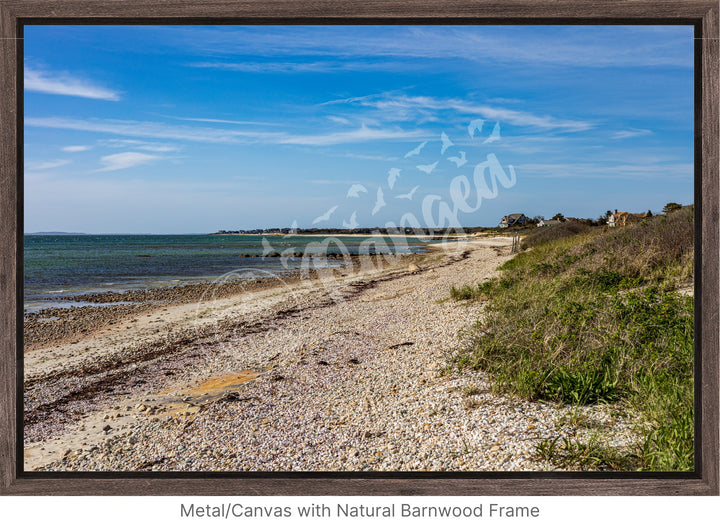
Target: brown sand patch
195 398
223 383
212 388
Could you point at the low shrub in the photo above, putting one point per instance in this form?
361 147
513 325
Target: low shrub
543 235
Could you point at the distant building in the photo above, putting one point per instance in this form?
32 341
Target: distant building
548 223
623 218
513 219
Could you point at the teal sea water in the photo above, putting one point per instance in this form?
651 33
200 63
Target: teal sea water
57 266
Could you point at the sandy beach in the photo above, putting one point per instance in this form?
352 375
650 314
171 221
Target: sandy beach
347 370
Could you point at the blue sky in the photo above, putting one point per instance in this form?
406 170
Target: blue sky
170 129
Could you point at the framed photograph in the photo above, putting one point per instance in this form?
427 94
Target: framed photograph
404 248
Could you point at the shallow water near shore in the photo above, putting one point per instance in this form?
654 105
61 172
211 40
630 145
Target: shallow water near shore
57 267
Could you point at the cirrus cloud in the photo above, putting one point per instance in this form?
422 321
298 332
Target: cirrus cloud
73 149
128 159
403 107
629 133
66 85
46 165
157 130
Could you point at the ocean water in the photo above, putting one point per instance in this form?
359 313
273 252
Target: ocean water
57 266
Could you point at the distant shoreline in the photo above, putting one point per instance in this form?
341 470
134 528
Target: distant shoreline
332 233
358 231
442 236
53 233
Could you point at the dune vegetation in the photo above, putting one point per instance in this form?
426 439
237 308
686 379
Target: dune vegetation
586 315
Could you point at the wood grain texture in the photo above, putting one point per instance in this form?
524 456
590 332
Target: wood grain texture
703 13
8 247
707 359
532 484
369 9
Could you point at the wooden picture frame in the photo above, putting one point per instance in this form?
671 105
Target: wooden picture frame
702 14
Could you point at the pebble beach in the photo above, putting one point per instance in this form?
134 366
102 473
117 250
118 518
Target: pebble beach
345 371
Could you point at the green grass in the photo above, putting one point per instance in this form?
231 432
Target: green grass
469 292
589 455
595 318
463 293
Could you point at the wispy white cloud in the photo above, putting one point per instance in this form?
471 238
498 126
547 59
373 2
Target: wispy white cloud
222 136
73 149
369 157
504 100
156 130
121 161
409 107
629 133
66 85
331 182
287 67
140 145
362 134
534 144
222 121
46 165
339 120
621 171
351 47
304 66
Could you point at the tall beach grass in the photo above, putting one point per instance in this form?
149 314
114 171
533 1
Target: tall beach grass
595 316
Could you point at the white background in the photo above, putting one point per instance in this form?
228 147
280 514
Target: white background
606 514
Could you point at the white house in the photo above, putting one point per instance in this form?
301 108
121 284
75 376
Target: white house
548 223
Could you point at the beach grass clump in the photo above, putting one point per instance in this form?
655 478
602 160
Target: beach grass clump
596 318
466 292
469 292
588 455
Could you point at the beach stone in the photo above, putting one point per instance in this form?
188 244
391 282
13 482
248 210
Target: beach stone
230 397
413 268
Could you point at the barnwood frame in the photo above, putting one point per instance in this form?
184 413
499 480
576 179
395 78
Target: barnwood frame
702 14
